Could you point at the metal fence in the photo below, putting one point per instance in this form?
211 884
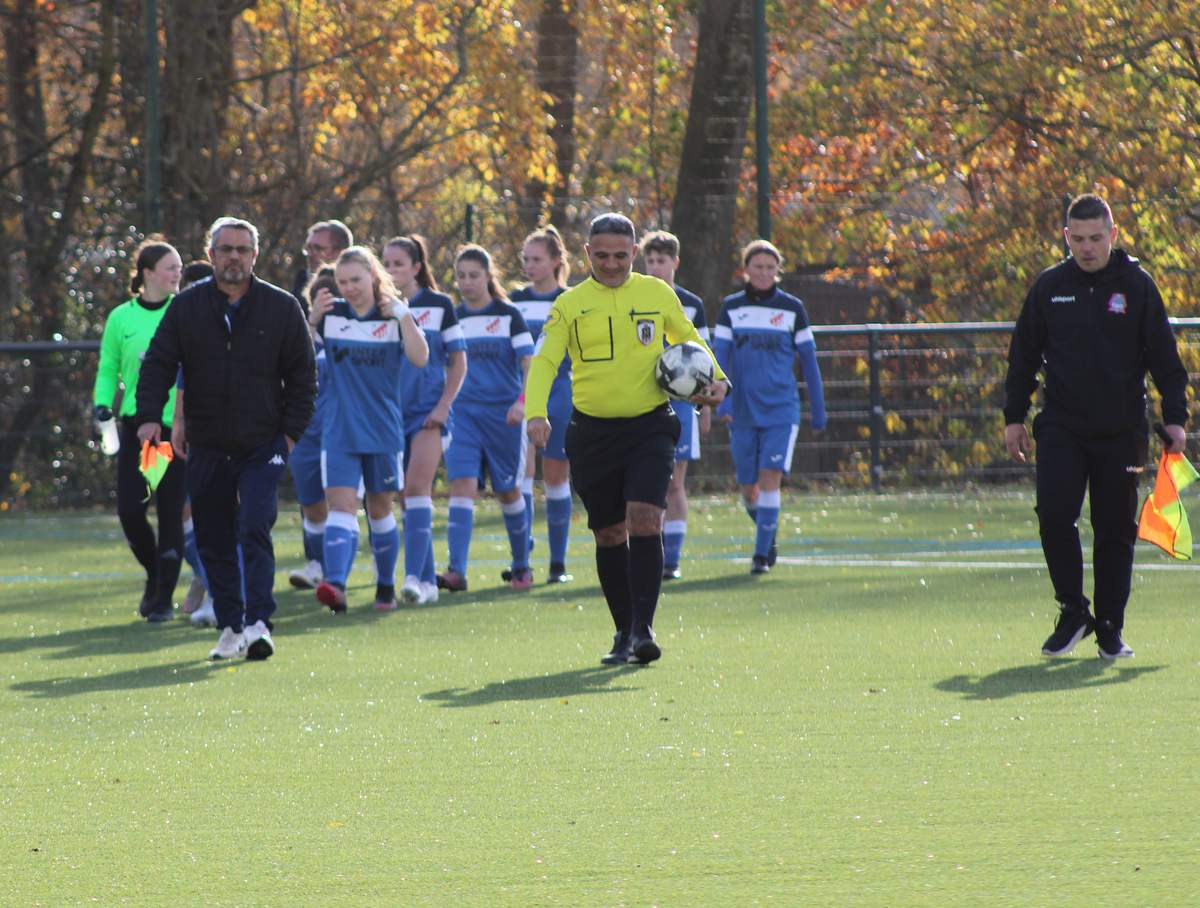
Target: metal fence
908 405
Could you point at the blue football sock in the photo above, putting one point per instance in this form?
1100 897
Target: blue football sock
751 509
314 541
458 532
341 544
674 532
418 534
518 532
766 521
558 521
429 569
385 546
191 552
527 494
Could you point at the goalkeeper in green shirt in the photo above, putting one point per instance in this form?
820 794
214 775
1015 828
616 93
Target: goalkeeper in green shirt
127 334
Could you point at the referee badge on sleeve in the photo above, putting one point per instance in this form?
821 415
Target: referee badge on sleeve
645 331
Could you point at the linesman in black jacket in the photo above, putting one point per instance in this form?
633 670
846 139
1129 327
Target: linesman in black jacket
250 379
1096 324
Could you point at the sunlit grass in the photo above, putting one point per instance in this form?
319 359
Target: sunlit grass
870 724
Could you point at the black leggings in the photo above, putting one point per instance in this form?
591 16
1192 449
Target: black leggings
161 559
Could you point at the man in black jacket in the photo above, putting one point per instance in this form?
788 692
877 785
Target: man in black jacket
1096 324
249 374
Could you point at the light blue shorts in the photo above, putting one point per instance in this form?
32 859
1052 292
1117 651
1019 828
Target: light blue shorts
556 447
305 464
761 448
369 472
688 446
482 439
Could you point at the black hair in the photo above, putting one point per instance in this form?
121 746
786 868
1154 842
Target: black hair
612 223
196 271
152 250
323 278
414 247
1087 206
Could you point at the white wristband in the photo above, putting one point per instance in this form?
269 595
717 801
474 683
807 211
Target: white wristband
399 309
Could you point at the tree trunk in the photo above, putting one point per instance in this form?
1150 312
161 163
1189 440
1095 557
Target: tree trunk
52 194
557 76
197 73
131 63
713 146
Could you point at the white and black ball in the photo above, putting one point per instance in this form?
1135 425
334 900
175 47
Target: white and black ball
684 370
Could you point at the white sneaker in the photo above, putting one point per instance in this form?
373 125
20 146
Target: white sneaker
195 596
307 577
204 616
259 644
231 645
429 593
411 592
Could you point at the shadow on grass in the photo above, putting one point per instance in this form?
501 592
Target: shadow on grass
1043 677
575 683
118 639
134 679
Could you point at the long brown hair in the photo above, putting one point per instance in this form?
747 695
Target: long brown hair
552 240
472 252
414 247
148 254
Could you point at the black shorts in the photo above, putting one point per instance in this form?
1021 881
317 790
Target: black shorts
615 461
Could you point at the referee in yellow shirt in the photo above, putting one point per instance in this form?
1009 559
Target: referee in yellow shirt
622 434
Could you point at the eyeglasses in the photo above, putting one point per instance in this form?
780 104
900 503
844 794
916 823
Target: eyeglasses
230 250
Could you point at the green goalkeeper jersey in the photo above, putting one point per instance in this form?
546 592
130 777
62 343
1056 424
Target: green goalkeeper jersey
127 335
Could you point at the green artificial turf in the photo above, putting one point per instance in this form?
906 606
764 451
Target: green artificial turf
870 724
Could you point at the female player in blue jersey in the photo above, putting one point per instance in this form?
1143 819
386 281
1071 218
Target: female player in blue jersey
544 260
660 253
489 417
428 394
366 333
759 334
305 459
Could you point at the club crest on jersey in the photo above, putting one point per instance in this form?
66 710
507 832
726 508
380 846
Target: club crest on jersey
645 331
380 330
493 326
422 316
777 319
1116 304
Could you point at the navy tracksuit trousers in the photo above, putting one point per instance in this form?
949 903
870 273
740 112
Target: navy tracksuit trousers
235 502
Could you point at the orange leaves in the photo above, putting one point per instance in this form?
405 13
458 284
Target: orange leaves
993 110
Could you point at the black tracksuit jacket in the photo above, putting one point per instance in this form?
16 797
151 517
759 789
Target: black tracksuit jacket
242 388
1096 335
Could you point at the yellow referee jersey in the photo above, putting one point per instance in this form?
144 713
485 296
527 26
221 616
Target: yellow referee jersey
614 336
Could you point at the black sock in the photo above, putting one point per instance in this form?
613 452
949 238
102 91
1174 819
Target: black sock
645 575
612 564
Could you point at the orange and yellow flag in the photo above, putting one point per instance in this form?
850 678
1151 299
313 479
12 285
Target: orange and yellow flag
1164 521
155 460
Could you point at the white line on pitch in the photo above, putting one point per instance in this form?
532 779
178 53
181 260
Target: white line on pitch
956 565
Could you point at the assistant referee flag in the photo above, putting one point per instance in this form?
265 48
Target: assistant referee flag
1164 521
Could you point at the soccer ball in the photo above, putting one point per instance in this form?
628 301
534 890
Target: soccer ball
684 370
